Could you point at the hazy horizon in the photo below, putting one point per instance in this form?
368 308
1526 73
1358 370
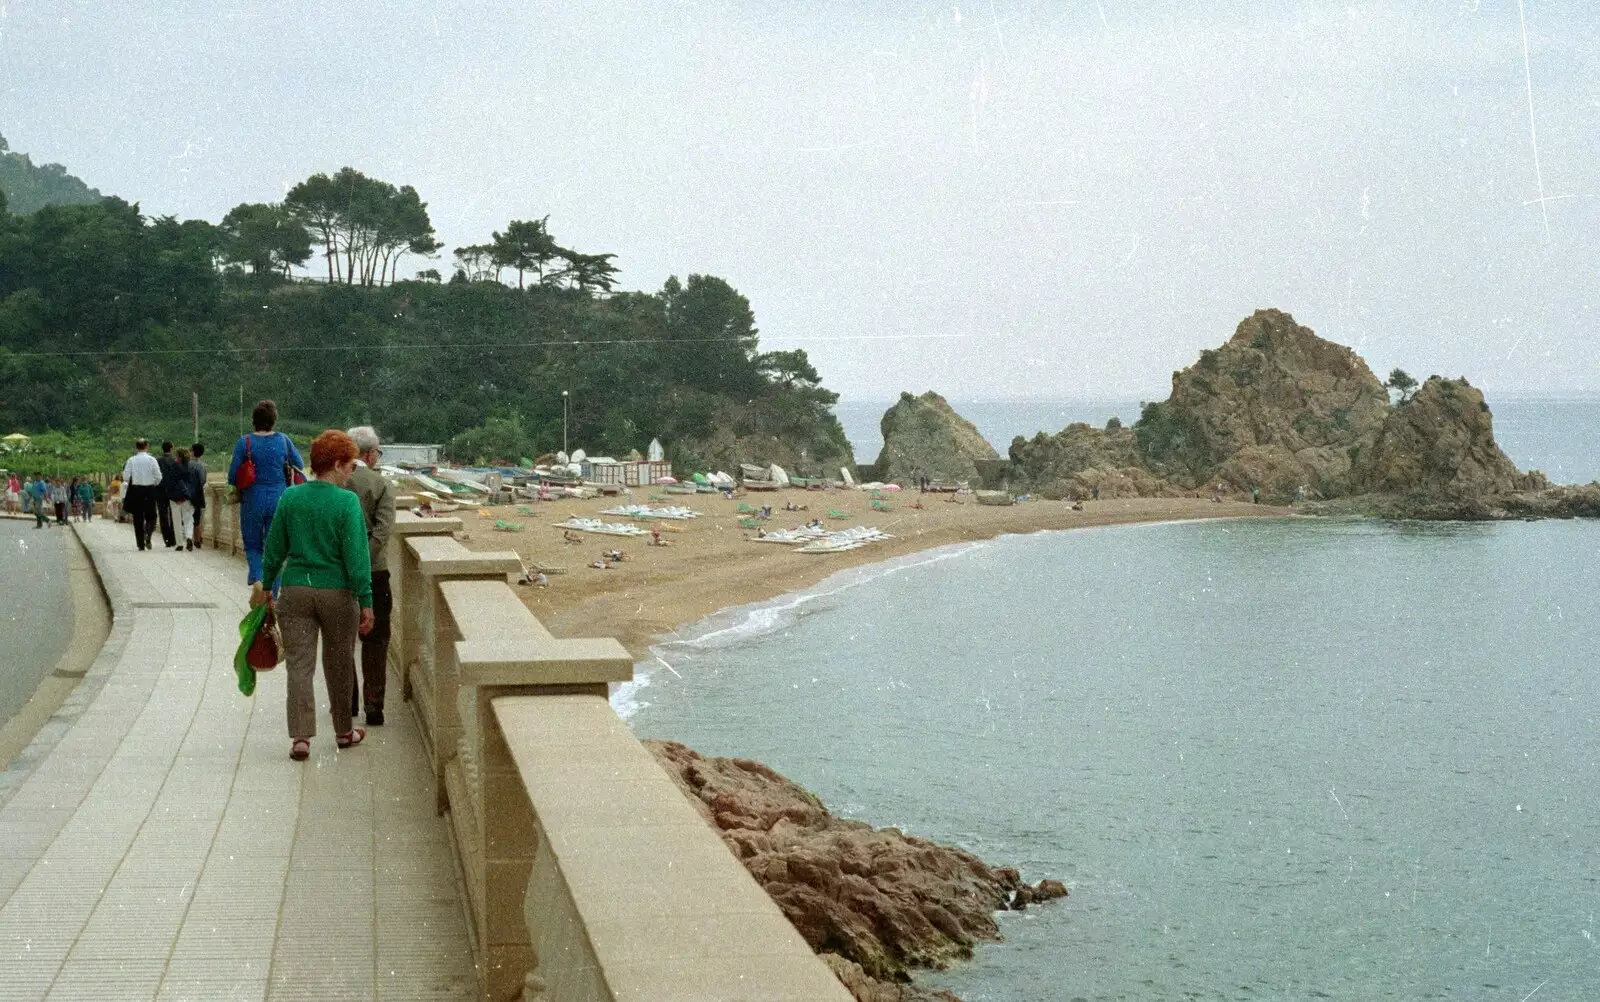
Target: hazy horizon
1006 200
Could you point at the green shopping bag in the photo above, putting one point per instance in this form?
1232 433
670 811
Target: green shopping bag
260 646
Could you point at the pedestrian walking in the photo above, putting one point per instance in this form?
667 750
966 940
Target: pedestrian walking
316 550
197 497
270 459
114 499
179 500
171 490
13 493
141 478
59 497
39 497
86 499
377 508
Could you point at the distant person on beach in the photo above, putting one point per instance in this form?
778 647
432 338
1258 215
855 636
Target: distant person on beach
270 455
180 500
316 552
141 478
197 488
171 490
377 507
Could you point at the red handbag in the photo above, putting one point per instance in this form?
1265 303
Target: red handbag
246 474
266 650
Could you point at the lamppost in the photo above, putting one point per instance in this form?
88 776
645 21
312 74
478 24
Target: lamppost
564 398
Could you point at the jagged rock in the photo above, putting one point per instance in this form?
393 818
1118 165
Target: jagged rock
1275 407
1079 458
924 434
1442 440
866 988
883 901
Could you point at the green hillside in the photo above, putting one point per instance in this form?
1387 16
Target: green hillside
110 320
28 187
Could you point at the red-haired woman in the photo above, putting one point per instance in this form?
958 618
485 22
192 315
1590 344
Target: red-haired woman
316 552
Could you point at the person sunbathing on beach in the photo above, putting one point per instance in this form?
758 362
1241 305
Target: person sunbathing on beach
571 537
600 565
616 556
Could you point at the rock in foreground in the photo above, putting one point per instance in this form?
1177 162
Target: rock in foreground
874 902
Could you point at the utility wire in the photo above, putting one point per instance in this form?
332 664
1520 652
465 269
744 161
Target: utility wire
440 346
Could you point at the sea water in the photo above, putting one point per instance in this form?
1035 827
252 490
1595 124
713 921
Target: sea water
1271 758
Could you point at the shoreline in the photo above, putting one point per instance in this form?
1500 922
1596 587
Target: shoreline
710 567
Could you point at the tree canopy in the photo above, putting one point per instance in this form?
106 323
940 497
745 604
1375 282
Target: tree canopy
365 225
28 187
110 318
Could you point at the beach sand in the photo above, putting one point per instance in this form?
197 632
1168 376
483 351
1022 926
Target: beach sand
710 563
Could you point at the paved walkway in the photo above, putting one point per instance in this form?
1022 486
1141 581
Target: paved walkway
157 843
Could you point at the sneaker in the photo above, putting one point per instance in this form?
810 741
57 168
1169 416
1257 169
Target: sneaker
188 546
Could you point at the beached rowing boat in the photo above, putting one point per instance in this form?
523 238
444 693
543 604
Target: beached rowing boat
603 528
644 511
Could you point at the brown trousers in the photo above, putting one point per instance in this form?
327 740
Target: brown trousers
303 614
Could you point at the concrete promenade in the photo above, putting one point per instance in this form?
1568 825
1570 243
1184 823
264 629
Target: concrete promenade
156 842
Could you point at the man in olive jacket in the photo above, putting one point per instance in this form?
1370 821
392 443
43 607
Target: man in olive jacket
377 504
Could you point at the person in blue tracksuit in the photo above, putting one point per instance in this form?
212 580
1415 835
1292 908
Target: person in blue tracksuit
273 455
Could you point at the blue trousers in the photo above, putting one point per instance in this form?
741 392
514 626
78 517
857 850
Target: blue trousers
255 520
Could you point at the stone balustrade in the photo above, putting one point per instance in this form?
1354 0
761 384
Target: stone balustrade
588 875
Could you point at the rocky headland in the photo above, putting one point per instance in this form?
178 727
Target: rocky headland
875 903
1280 413
925 436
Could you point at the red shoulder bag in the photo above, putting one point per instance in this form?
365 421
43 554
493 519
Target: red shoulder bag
246 474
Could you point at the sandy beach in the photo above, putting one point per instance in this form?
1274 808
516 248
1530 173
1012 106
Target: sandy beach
710 563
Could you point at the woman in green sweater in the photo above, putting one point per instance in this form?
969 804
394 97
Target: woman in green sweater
316 553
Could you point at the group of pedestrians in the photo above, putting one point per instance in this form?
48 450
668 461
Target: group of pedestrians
168 491
314 549
51 500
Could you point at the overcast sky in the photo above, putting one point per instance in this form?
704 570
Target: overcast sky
1064 199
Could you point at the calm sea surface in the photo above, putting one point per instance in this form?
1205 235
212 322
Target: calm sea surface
1272 759
1560 436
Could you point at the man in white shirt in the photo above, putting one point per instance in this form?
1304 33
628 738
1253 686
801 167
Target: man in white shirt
141 478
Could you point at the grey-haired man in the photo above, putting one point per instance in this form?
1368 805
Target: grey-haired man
377 504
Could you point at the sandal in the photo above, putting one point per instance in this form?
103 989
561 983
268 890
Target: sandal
300 750
352 738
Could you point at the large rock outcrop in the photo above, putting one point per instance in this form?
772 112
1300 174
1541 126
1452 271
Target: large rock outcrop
1441 440
874 902
1081 461
1276 407
925 435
